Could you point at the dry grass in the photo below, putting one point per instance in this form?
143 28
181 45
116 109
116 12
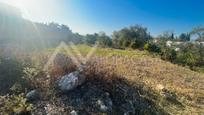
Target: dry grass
139 67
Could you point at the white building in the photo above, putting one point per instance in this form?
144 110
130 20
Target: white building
169 43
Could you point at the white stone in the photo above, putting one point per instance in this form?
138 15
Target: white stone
177 49
102 106
73 112
70 81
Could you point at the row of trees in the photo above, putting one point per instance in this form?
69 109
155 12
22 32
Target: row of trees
16 30
137 37
131 37
13 28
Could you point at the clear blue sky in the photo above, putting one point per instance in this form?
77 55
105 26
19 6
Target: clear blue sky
89 16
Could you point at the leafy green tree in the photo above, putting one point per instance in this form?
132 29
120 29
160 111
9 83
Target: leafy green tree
133 36
184 37
104 40
91 38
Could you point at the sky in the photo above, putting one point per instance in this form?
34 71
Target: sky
90 16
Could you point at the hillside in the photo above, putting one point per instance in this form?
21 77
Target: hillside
24 34
142 67
117 82
46 69
166 88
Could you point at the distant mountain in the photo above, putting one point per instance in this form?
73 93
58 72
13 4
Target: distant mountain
14 29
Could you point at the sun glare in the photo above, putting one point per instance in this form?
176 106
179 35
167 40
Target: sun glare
32 9
25 6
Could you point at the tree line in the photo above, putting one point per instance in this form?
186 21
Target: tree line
187 49
28 35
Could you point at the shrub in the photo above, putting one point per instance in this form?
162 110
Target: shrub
173 55
37 79
14 104
187 59
152 47
30 74
169 54
10 73
137 44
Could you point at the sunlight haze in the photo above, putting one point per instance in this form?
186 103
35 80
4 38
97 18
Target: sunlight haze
92 16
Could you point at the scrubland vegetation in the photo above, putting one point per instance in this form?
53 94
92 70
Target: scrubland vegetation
130 72
162 87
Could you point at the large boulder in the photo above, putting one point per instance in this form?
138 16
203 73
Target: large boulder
70 81
33 95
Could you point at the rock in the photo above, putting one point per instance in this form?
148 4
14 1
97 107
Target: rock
89 97
70 81
102 106
105 104
73 112
32 95
169 43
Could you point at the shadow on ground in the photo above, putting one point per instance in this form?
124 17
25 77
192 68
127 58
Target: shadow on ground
110 95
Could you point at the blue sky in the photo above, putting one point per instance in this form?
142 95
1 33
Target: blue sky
89 16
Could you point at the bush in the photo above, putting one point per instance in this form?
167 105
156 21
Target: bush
14 104
173 56
169 54
10 73
37 79
187 59
137 44
152 47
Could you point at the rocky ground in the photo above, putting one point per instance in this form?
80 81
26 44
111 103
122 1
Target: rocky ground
114 85
95 97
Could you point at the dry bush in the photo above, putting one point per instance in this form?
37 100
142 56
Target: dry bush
103 76
182 84
14 104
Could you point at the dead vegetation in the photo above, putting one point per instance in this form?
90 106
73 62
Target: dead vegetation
134 82
181 90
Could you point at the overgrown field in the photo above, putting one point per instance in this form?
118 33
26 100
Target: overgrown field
142 67
127 75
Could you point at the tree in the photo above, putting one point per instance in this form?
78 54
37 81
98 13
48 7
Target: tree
199 31
91 39
134 36
184 37
104 40
167 35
